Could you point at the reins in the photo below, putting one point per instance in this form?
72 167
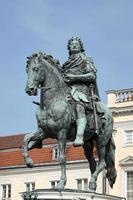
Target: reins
49 88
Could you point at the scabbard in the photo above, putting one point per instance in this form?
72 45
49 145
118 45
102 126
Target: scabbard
94 109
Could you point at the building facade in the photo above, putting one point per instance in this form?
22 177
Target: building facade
121 104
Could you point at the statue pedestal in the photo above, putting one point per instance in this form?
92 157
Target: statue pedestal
66 194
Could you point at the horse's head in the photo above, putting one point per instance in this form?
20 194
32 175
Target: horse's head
37 68
35 73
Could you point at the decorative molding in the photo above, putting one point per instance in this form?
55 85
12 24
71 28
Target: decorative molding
119 91
126 161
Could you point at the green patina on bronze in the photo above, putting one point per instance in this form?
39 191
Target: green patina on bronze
70 110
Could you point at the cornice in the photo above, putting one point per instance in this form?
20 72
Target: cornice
43 167
119 91
119 111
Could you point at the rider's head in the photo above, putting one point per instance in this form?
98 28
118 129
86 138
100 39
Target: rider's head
75 45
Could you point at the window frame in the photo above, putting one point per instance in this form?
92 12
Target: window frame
32 186
83 187
124 137
53 181
7 189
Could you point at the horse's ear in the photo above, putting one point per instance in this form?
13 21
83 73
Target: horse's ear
28 62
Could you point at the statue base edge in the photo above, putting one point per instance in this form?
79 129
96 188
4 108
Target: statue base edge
66 194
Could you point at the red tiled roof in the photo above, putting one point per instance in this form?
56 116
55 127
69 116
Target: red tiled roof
16 141
39 156
14 158
12 141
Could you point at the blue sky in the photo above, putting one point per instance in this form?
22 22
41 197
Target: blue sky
105 27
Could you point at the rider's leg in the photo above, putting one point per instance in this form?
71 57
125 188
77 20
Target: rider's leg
81 125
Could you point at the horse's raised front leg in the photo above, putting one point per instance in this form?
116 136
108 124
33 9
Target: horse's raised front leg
62 159
31 140
100 167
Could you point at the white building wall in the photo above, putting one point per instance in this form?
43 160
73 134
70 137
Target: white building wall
42 176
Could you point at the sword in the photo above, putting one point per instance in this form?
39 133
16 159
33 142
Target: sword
94 109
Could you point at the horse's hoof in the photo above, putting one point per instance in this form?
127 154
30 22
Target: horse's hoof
92 186
29 163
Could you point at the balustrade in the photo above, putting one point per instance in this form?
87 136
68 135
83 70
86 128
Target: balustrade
124 96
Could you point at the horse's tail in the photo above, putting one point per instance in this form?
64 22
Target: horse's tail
110 162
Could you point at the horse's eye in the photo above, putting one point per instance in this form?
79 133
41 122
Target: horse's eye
35 69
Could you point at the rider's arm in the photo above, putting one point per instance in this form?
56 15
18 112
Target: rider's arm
88 76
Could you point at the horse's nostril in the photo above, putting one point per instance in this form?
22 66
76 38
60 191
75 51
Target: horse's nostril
31 89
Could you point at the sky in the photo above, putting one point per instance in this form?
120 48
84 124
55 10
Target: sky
28 26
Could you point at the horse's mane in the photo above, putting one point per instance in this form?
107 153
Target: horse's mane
40 56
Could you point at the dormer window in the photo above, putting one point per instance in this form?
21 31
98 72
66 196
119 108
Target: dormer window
55 153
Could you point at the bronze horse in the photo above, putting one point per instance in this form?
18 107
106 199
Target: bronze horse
56 118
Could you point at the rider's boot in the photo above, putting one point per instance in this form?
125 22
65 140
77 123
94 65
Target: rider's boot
81 125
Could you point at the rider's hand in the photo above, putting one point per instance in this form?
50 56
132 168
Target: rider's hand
68 77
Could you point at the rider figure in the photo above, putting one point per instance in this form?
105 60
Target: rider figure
80 72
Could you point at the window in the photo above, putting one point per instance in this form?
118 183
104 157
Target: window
130 185
6 192
129 137
30 186
82 184
55 153
54 183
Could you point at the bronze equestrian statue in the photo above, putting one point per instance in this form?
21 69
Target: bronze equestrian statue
70 110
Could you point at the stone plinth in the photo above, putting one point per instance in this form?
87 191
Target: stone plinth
66 194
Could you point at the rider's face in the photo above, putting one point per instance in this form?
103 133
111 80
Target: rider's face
75 47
